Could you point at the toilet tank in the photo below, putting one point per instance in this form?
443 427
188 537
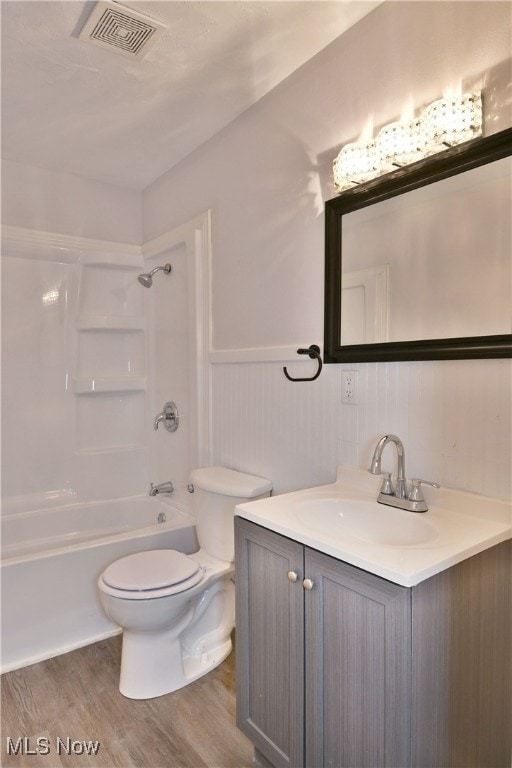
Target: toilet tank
217 491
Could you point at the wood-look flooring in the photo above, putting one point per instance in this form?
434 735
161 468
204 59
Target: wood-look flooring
75 696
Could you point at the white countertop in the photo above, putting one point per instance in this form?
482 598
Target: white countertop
457 525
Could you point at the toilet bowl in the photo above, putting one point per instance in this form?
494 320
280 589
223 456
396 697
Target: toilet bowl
177 611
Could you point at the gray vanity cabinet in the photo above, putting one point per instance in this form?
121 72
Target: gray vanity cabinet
322 673
348 670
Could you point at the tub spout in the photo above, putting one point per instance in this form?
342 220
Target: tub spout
166 487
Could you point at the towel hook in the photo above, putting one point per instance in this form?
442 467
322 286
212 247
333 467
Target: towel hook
314 352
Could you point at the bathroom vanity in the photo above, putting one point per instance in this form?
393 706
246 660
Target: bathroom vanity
341 666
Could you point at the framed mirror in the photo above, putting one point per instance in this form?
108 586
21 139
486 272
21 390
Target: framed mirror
418 262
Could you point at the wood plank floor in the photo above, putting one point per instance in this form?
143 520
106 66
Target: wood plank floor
75 696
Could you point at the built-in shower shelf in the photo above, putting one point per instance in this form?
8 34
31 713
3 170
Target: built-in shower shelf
110 323
91 385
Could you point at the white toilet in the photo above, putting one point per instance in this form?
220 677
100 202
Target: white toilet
177 611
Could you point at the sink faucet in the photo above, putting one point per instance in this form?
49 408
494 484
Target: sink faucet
375 468
166 487
399 496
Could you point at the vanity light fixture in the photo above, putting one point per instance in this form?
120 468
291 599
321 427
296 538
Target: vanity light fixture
357 162
452 120
445 123
400 144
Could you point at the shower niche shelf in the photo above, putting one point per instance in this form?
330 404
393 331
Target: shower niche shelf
96 385
110 354
109 290
110 323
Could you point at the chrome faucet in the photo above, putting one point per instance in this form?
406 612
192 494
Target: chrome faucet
169 417
166 487
401 484
400 495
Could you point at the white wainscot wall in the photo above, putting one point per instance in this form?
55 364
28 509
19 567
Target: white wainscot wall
453 417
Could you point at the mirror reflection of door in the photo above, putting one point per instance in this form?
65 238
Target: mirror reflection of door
364 306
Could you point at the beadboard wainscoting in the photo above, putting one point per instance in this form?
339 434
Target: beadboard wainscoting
453 417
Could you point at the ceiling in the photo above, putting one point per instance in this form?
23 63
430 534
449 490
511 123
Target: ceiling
70 106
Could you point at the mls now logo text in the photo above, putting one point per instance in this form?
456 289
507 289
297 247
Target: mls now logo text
42 745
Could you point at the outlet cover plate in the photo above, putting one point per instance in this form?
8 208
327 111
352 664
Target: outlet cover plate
349 387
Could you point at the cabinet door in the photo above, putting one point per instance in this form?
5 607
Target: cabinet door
358 667
270 642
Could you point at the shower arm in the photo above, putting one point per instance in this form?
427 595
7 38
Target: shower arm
166 268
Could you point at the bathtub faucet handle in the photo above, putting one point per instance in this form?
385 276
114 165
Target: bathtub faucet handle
169 417
166 487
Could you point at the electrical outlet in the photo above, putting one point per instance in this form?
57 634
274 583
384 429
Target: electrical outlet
349 387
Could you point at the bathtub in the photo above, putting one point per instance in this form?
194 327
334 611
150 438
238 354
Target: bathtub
52 558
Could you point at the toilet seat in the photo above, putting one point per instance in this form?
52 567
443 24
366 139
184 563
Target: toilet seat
151 574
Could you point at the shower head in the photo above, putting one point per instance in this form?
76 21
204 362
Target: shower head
146 279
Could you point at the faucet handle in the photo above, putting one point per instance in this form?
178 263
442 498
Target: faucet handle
387 486
169 416
416 494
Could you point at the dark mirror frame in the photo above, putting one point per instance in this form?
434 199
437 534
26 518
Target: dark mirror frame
447 163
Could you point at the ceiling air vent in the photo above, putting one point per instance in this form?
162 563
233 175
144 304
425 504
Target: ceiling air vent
120 29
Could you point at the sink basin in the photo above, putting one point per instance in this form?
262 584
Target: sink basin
344 520
365 520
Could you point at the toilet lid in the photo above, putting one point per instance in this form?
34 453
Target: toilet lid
155 569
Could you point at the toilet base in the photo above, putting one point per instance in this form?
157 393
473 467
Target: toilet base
154 678
157 662
195 667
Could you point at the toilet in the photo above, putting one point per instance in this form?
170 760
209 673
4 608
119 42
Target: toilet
177 611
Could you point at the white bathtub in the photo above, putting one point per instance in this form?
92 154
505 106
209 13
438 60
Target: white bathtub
51 560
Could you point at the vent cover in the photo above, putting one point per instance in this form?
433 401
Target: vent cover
120 29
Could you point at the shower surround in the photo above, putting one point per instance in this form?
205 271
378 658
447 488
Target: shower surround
90 357
74 366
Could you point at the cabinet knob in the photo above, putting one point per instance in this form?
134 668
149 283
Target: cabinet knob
307 584
292 576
